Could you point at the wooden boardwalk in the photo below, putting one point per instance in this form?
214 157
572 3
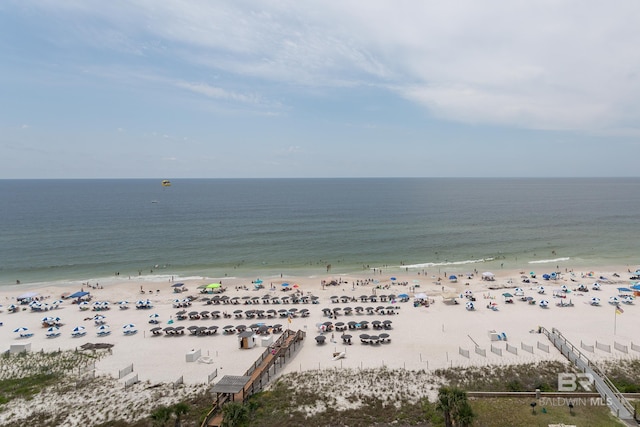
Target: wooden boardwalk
259 375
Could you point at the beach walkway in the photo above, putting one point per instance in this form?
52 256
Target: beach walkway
618 404
239 388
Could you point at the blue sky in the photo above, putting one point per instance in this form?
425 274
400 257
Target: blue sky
176 89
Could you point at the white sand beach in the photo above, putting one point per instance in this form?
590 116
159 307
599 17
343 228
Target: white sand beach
419 337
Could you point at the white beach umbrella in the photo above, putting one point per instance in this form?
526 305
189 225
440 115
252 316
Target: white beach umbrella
627 300
52 332
129 328
518 292
596 286
595 301
469 306
541 289
544 303
21 330
614 300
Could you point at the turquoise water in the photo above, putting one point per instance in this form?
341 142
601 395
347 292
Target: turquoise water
54 230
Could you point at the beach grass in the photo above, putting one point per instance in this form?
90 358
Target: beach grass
359 397
25 387
541 376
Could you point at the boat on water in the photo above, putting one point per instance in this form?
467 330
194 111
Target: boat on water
166 183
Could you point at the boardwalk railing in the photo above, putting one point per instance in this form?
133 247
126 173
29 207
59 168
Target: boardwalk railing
261 367
616 401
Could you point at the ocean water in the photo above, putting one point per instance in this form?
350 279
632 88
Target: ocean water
77 230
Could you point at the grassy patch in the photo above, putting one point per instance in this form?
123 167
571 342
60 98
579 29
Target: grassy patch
25 387
508 412
524 377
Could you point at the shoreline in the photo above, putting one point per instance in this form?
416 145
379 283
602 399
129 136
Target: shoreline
496 265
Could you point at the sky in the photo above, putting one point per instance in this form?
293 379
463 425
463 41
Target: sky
278 89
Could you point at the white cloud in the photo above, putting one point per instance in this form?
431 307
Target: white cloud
218 93
542 65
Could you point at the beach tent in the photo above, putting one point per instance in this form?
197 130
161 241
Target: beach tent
79 294
177 285
453 278
487 275
27 296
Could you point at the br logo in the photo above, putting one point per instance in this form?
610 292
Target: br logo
569 382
